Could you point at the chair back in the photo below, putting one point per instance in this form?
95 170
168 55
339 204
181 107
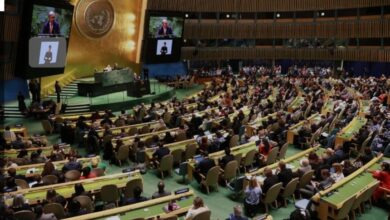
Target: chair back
234 141
24 215
133 131
230 170
167 117
47 126
123 152
345 209
202 216
109 193
166 163
72 175
22 183
305 179
145 129
282 152
183 169
181 136
271 158
56 209
140 157
249 158
98 171
238 158
85 202
130 186
148 141
177 156
190 151
272 193
325 128
49 179
290 188
212 176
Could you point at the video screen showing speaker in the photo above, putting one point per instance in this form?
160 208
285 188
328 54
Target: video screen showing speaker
165 27
164 47
44 38
164 33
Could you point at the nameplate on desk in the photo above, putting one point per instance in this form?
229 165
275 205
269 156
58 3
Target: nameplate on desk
181 191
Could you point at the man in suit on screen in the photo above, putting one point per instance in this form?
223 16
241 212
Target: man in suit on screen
51 27
165 30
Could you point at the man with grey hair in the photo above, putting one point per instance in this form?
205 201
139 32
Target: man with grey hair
165 30
51 27
237 214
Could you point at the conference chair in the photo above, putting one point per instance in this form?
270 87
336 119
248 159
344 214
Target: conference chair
123 154
132 131
181 137
130 186
304 181
230 171
49 179
148 141
56 209
22 183
166 165
271 196
282 152
167 118
248 160
24 215
145 129
211 179
289 190
206 215
86 203
110 194
72 175
47 127
190 151
177 156
271 158
234 141
182 171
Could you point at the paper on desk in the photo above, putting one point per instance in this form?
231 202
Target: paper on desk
113 218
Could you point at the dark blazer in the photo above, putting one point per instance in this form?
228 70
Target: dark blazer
161 152
168 31
269 182
46 28
205 165
225 160
285 176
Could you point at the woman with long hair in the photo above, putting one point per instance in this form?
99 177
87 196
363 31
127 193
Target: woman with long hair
252 197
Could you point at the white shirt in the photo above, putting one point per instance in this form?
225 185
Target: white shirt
9 136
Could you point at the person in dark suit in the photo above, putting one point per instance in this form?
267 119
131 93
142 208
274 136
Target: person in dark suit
48 56
203 167
285 174
227 158
51 27
164 49
33 87
165 30
58 91
160 152
269 181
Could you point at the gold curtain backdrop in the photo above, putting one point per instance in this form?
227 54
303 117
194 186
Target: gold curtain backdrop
119 45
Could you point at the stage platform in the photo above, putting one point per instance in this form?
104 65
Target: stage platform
119 100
